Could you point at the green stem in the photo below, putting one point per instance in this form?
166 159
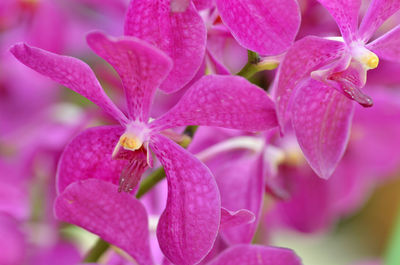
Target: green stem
251 66
392 256
96 251
149 182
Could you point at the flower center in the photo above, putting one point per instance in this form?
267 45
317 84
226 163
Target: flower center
367 58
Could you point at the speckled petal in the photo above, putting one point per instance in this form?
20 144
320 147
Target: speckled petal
69 72
236 218
142 69
256 255
224 101
179 5
203 4
345 13
118 218
267 27
378 11
387 46
88 155
305 56
181 35
189 225
322 119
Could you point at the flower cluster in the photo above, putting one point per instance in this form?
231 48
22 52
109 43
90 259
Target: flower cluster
245 151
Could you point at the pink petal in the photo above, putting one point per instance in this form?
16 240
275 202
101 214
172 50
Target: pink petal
13 242
189 225
301 59
61 253
322 119
88 155
387 46
181 35
116 217
69 72
224 50
241 184
345 13
236 218
308 195
378 12
224 101
256 255
179 5
267 27
141 67
203 4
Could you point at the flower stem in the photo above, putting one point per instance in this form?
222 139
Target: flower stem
96 251
149 182
392 256
255 65
250 68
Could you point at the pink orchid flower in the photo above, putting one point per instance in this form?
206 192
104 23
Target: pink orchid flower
318 76
121 154
93 203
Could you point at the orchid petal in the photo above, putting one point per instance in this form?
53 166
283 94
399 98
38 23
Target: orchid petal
301 59
69 72
267 27
224 101
179 5
241 185
378 11
141 67
387 46
256 255
203 4
308 194
118 218
88 155
181 35
221 46
321 119
236 218
189 225
345 13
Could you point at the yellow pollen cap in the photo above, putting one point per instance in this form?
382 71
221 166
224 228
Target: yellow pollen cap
372 61
130 142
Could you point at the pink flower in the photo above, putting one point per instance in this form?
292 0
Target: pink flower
318 76
120 154
93 203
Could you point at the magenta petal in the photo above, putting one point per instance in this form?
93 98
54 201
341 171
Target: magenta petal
301 59
189 225
256 255
203 4
241 184
387 46
179 5
224 101
88 155
141 67
378 11
322 119
267 27
116 217
345 13
181 35
236 218
69 72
